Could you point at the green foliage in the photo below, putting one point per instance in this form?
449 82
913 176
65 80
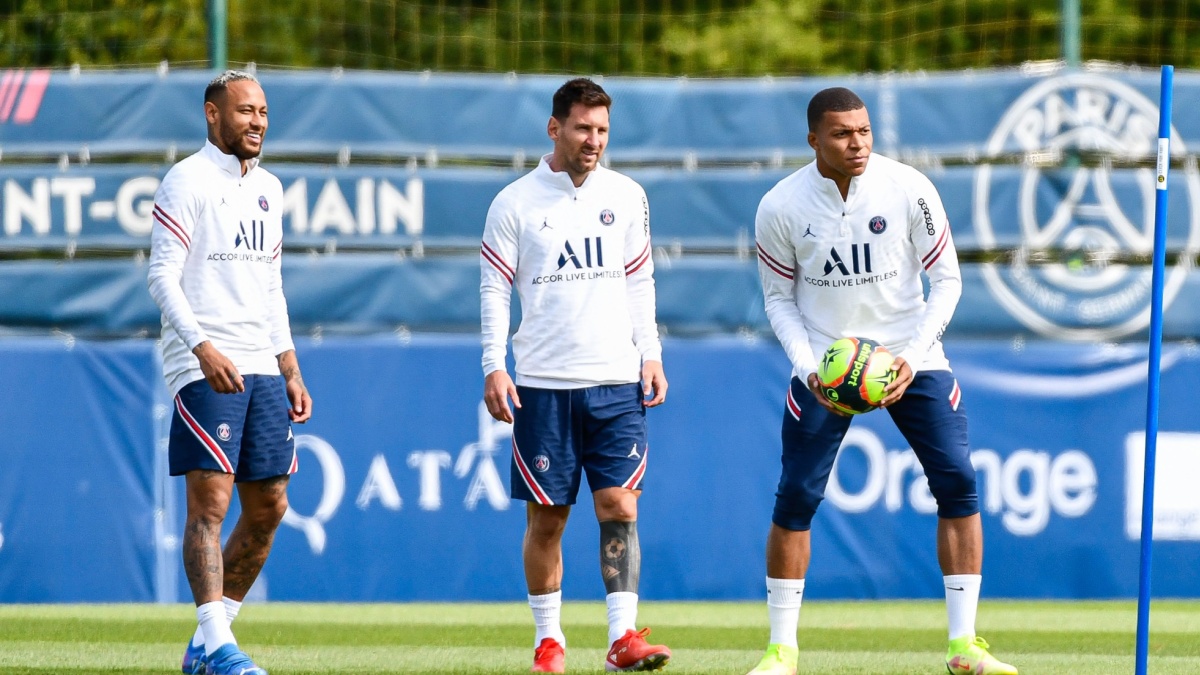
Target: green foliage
616 37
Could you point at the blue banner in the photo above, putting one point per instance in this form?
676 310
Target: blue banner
654 119
402 488
81 480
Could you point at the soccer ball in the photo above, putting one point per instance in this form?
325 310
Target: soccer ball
853 373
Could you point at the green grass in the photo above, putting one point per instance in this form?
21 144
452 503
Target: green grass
902 638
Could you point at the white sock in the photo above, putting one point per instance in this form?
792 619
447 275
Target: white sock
962 601
215 626
622 614
547 614
232 607
783 608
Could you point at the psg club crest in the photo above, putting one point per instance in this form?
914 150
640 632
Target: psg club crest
262 203
607 217
541 463
877 225
223 432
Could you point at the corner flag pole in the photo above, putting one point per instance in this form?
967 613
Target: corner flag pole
1156 328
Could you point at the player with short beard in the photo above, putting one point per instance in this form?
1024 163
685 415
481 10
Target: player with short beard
842 244
228 359
573 238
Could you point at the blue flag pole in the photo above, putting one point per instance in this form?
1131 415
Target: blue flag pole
1152 390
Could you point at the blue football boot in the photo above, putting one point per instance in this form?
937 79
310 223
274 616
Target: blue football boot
195 662
229 660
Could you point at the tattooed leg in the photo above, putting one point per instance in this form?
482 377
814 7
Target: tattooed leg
620 556
263 505
208 494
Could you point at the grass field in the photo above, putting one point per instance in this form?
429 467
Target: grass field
859 638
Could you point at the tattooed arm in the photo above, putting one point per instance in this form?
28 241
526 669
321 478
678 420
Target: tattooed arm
297 393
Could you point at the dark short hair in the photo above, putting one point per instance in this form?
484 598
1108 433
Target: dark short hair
219 83
834 99
579 90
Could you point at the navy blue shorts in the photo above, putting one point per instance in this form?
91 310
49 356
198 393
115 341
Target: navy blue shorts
931 418
248 434
559 433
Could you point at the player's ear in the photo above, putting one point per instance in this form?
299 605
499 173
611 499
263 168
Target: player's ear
552 128
812 140
210 112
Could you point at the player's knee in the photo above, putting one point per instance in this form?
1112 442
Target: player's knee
266 513
616 504
794 510
955 491
546 524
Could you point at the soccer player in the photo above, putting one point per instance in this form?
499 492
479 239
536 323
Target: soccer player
574 239
842 243
228 359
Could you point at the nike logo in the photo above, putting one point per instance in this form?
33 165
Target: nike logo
951 588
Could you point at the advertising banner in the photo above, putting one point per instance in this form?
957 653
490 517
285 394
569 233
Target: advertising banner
402 489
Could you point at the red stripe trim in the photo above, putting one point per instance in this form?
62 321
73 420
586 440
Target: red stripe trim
793 407
935 258
180 230
639 265
295 462
636 478
498 265
638 259
9 87
203 437
498 260
762 251
936 246
173 231
527 476
167 215
768 263
955 396
31 99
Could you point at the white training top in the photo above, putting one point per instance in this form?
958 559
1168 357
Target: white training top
834 268
580 261
215 250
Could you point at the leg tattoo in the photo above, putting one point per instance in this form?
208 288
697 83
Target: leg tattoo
250 542
620 556
202 558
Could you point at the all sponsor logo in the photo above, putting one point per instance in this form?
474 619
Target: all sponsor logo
1082 211
252 236
568 254
859 259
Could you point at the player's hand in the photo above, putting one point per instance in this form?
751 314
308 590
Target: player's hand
904 377
219 371
498 387
654 384
814 385
302 403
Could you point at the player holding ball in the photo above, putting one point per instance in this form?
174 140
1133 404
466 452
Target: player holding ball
842 243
